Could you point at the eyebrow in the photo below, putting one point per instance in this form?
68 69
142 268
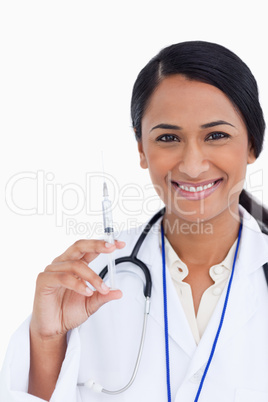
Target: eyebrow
207 125
166 127
216 123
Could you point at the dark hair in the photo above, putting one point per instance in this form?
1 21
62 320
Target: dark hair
215 65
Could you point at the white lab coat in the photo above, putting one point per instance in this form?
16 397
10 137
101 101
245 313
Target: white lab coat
105 347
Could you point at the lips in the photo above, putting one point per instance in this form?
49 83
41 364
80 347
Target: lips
196 191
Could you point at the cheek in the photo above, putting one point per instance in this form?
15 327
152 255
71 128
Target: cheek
235 162
234 165
159 169
159 163
230 159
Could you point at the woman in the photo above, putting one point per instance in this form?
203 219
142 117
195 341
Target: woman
198 124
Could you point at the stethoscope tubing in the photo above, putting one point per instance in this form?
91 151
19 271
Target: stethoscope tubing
133 259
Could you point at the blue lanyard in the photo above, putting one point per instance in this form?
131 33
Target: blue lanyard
166 317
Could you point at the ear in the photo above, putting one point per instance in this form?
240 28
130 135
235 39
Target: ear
143 160
251 154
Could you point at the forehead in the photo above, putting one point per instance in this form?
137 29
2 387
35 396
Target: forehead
185 101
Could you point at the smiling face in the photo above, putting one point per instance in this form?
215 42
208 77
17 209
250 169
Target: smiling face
195 145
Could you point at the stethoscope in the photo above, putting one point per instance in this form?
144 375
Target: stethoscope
132 258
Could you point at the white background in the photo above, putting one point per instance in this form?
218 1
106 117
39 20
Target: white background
66 75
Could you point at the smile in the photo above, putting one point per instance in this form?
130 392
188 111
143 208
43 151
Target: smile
196 191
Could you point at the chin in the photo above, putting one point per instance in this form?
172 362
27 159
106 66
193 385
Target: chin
203 213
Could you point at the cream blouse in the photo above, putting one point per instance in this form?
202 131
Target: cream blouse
219 274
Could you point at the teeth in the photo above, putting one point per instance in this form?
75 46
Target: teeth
196 189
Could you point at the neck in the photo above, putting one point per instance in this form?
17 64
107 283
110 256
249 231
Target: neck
202 243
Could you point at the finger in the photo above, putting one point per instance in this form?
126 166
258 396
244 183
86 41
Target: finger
79 269
89 248
118 244
47 282
97 300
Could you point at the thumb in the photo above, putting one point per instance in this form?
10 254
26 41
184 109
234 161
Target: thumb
97 300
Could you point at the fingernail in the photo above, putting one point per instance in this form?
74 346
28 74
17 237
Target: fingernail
104 286
121 242
108 245
89 291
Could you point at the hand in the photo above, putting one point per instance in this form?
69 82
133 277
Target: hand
63 301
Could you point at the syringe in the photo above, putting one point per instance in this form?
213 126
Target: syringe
109 231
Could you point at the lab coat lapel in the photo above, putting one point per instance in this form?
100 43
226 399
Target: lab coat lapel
242 304
179 329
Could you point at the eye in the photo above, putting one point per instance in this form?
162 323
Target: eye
168 138
217 136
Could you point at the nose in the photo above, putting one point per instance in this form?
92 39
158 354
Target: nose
193 162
